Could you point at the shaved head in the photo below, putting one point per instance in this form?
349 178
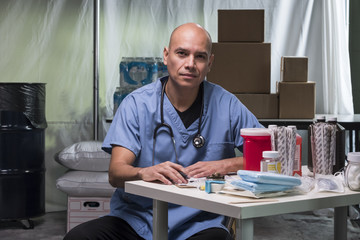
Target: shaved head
192 28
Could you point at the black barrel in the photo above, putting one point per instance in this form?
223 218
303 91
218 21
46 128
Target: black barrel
22 144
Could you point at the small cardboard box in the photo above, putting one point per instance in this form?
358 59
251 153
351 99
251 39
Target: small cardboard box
265 106
296 100
242 67
83 209
241 25
294 69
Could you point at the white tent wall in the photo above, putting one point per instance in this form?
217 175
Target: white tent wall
51 41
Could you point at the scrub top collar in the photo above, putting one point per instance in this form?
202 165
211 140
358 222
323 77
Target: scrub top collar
191 131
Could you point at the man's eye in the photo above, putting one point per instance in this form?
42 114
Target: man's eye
203 57
181 53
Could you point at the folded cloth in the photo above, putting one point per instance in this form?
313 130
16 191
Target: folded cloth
258 188
268 178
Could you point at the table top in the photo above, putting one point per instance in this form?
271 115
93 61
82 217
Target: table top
221 203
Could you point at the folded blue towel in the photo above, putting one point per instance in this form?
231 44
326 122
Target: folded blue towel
258 188
268 178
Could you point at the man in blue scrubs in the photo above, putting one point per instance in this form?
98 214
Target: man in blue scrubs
191 108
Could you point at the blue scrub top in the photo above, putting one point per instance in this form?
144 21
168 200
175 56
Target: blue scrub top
133 128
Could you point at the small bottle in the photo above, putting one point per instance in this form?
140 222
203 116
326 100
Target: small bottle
352 173
270 162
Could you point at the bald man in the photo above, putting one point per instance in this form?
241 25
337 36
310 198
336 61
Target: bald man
179 124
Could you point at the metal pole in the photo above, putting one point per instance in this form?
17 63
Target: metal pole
96 68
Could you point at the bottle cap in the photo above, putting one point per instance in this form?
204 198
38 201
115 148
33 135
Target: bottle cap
332 119
353 157
270 154
254 132
320 118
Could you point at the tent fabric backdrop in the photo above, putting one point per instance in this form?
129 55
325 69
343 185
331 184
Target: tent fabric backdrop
51 41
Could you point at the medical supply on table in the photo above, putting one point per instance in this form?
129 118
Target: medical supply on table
327 141
319 119
264 182
329 183
340 145
256 140
270 162
213 186
258 188
352 173
216 176
287 142
307 184
269 178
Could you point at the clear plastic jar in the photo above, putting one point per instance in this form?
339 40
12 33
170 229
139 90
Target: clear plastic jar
270 162
352 173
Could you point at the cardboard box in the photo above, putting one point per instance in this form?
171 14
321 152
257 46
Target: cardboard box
294 69
241 25
83 209
242 67
265 106
296 100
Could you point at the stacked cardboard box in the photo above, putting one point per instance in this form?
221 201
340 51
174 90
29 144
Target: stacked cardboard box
83 209
296 94
242 60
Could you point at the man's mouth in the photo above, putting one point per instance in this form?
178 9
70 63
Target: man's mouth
188 75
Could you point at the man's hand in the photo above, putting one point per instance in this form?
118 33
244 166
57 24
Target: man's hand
204 169
166 172
222 167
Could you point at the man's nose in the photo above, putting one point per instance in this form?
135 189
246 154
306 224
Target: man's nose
190 61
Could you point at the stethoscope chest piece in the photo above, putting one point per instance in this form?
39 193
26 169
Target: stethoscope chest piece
198 141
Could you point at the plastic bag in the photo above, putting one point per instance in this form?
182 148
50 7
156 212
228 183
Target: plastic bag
269 178
329 183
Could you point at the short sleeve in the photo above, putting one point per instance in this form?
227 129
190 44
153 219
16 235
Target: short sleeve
124 129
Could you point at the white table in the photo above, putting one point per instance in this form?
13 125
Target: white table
244 212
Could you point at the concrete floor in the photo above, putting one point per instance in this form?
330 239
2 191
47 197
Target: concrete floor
302 226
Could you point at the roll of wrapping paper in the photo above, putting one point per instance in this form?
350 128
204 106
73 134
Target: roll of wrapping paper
283 140
319 166
332 129
291 145
273 132
282 149
313 147
326 149
324 140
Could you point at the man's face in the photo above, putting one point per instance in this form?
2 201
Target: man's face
188 57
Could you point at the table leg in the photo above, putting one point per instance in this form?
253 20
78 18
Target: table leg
340 223
244 229
160 220
357 147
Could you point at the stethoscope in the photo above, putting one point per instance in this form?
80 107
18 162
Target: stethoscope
198 140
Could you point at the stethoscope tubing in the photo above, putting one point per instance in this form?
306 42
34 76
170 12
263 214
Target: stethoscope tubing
198 140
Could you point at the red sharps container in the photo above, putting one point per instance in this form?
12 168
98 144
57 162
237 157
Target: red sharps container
256 140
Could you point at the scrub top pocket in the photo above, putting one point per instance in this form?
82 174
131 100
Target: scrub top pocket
218 151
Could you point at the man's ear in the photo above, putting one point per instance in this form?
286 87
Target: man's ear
165 54
211 60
